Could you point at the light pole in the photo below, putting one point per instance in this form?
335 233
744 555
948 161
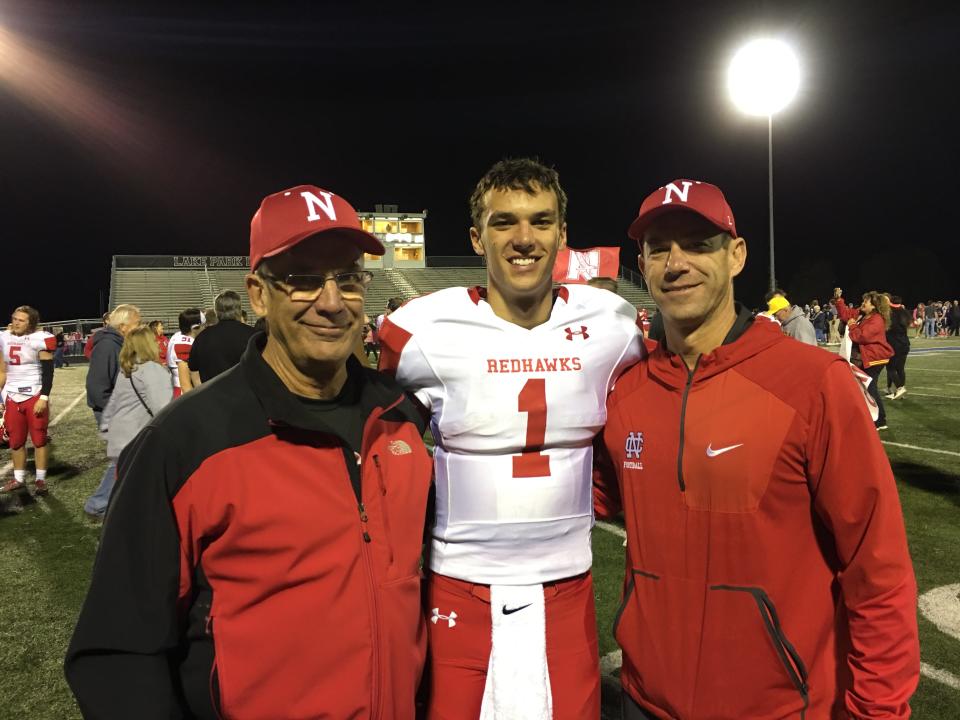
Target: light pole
763 78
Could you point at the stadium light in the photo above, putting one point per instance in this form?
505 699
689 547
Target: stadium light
763 78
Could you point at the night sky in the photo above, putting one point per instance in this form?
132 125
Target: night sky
133 128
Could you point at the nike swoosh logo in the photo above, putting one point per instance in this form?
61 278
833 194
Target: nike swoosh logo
511 611
720 451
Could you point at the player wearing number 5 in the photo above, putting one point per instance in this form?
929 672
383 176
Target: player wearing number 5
515 377
26 377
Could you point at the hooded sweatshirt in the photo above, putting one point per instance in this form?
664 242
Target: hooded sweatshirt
799 327
104 366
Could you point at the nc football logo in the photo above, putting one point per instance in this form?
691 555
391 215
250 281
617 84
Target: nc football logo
633 447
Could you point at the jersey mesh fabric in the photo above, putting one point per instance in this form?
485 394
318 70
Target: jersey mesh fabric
21 354
514 413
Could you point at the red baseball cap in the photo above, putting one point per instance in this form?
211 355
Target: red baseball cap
290 216
704 199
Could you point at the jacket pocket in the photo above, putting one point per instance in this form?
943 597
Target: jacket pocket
748 660
650 643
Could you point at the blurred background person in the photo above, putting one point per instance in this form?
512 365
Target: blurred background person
219 347
59 357
178 353
900 320
162 341
101 381
142 389
868 330
792 320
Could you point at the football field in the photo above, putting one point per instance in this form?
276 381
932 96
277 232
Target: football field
47 544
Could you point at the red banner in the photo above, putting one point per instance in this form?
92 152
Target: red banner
578 266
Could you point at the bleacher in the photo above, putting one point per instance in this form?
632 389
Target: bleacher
162 290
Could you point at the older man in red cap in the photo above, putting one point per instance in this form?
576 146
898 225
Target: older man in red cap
260 557
767 566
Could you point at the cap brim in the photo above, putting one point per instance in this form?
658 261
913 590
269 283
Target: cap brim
639 226
362 239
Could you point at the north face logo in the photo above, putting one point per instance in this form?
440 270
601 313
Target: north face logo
582 332
398 447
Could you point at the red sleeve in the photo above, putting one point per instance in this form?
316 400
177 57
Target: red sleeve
846 313
50 343
606 490
88 347
183 351
393 339
855 495
870 330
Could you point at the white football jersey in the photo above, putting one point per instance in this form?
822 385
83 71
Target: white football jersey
514 414
178 350
21 354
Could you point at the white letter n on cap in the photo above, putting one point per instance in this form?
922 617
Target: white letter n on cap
682 194
314 203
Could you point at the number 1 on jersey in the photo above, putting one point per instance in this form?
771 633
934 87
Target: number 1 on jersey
533 401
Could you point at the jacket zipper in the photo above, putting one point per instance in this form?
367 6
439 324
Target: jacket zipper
375 624
383 506
683 417
214 683
372 585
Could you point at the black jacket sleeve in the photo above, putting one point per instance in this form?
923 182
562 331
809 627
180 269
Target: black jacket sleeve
102 374
118 664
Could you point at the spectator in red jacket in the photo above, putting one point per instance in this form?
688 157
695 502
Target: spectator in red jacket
163 342
88 345
768 569
868 329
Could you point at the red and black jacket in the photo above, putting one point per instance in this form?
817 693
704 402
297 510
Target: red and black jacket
249 569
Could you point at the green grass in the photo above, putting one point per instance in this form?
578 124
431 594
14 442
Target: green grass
48 544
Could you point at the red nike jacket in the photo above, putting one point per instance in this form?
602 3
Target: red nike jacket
767 566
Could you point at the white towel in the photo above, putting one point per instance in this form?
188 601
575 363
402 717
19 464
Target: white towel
518 681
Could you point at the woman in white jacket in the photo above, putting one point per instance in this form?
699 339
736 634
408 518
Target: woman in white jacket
142 389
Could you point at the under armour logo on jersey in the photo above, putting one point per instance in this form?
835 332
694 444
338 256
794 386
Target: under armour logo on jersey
398 447
634 445
451 618
582 332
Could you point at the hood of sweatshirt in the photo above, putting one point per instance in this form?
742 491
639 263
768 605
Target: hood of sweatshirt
748 336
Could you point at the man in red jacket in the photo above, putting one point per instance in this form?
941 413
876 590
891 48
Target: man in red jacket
767 566
260 557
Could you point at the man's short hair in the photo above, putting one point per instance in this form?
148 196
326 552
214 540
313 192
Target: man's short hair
123 315
33 316
527 174
189 319
227 305
773 293
394 303
155 325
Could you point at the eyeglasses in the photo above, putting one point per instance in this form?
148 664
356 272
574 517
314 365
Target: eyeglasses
307 288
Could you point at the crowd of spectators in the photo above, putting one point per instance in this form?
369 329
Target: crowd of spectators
936 318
